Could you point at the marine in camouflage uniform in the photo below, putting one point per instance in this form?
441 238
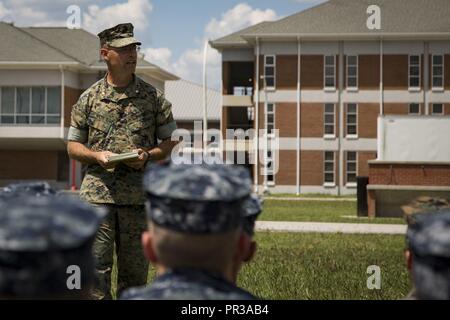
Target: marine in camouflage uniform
119 120
41 235
194 203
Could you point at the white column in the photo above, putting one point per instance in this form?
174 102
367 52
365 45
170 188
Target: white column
63 83
256 137
299 52
205 102
381 79
426 76
341 118
380 140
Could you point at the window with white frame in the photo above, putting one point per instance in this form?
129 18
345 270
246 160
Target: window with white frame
437 109
30 105
330 72
437 71
352 119
328 168
270 119
352 72
351 166
269 71
329 120
414 72
414 109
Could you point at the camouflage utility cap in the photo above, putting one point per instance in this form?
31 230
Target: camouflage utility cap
118 36
424 205
429 242
429 236
40 237
197 198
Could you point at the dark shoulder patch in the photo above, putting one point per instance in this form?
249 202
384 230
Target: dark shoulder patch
146 89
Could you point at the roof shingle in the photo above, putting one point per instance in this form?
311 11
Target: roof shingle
349 17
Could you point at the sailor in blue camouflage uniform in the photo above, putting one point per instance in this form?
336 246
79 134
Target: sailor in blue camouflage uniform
41 236
428 247
120 113
195 238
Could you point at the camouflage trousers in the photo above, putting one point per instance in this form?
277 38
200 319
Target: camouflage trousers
122 227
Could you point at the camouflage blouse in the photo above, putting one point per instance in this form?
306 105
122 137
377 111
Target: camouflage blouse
108 119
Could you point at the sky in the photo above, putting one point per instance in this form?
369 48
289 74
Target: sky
172 32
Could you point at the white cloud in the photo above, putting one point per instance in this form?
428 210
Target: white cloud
95 16
3 11
189 65
159 56
241 16
36 12
20 14
134 11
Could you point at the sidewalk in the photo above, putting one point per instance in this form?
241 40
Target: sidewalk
324 227
309 199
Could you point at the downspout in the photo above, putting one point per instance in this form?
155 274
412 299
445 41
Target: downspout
62 101
221 113
256 136
341 118
299 51
205 102
266 135
426 76
381 138
381 78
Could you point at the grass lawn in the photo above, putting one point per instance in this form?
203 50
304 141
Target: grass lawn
325 266
317 211
322 266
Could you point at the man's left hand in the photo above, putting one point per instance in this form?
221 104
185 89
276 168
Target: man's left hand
138 163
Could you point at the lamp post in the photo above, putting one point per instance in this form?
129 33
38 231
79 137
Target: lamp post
205 101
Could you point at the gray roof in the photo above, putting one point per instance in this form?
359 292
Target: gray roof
18 45
187 100
55 44
235 38
337 18
78 44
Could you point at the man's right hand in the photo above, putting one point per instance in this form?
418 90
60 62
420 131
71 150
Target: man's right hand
102 159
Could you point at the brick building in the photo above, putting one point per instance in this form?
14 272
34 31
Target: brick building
324 78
